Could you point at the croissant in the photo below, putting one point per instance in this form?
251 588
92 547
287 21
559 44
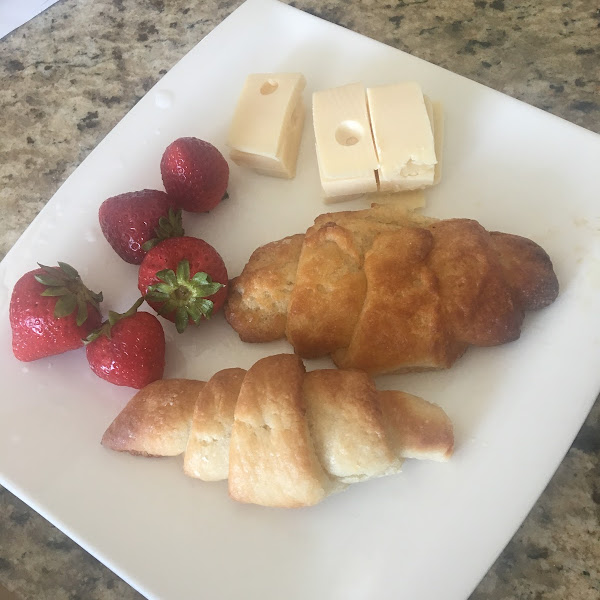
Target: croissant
384 290
281 436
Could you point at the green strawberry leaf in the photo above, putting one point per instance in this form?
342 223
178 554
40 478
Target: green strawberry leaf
168 307
68 270
94 335
201 278
164 288
82 312
205 285
205 307
183 272
56 291
113 318
54 271
168 276
181 298
65 306
64 283
168 227
157 295
49 280
194 313
147 246
181 319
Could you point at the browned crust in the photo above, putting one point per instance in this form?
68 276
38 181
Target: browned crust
346 425
258 299
272 461
156 421
207 451
285 438
402 323
478 302
416 428
329 292
527 268
476 286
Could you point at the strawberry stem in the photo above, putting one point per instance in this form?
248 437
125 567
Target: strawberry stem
65 283
168 227
186 297
113 318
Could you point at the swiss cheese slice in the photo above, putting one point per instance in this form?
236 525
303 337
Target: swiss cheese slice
402 122
345 152
266 129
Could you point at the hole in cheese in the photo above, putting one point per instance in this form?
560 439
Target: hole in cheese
268 87
348 133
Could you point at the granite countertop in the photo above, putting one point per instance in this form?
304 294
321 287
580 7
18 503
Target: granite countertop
73 72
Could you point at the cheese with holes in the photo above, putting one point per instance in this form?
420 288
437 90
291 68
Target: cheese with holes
402 121
267 125
345 151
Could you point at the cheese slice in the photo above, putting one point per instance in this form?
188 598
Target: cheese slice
266 129
345 152
402 124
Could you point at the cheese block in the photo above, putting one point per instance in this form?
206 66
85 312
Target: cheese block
402 121
345 151
266 129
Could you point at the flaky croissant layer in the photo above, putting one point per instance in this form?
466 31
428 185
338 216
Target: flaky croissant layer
384 290
281 436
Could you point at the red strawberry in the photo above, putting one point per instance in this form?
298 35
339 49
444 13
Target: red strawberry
135 221
195 174
51 311
184 279
128 349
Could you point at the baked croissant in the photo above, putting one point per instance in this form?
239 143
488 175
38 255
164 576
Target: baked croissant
384 290
282 436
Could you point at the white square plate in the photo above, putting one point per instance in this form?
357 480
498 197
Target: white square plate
431 532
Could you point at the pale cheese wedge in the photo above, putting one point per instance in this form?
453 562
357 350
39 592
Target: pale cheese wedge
266 129
345 151
402 121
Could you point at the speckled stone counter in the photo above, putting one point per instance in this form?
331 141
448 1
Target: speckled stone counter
73 72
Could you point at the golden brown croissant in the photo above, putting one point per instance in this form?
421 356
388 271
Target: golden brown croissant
384 290
282 436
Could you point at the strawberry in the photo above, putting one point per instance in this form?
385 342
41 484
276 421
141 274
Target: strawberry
134 222
128 349
195 174
184 279
51 311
